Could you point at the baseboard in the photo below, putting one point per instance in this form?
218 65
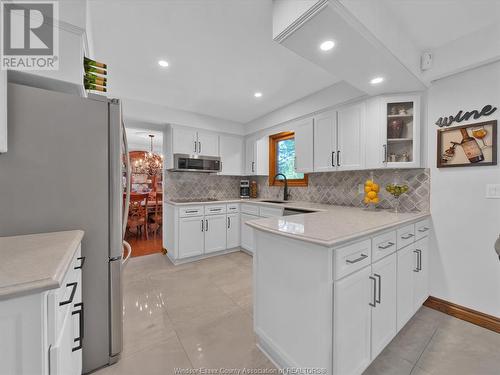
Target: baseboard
464 313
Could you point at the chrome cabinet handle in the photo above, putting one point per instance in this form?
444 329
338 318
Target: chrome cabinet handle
191 211
73 291
389 244
194 146
79 339
424 229
333 158
202 227
419 259
206 227
363 256
374 303
199 146
253 166
379 287
82 262
338 158
418 268
385 153
408 236
228 222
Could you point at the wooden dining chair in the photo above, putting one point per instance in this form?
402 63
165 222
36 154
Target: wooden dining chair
157 215
137 222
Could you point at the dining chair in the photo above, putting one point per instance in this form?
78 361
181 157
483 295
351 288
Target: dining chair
138 214
157 214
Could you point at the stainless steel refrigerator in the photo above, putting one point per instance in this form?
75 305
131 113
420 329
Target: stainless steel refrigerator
64 169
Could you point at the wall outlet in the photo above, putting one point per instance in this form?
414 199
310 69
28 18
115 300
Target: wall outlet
493 191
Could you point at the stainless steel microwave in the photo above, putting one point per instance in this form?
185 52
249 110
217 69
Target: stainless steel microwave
196 163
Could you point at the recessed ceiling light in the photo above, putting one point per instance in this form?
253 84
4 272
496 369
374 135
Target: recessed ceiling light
327 45
163 63
258 94
377 80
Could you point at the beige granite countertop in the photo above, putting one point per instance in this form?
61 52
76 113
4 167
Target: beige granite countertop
36 262
335 225
289 204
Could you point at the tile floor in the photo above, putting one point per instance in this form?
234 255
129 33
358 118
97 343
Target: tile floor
199 315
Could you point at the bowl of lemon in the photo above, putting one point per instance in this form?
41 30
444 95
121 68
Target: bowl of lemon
372 191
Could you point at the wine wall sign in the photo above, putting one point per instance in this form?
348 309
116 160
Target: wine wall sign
468 145
461 116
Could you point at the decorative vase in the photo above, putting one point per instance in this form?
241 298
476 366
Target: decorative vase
395 128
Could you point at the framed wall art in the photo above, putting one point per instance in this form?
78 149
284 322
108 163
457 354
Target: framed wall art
468 145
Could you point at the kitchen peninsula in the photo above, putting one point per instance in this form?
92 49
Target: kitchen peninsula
332 288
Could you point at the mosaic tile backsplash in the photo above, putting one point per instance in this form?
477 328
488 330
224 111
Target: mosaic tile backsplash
340 188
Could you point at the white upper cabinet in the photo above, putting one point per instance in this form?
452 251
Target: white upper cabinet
208 143
351 137
257 156
304 146
325 142
3 111
231 154
184 141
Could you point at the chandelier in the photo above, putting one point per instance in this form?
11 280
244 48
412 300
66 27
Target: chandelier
152 164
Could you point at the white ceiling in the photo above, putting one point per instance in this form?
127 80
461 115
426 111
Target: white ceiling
433 23
220 53
139 140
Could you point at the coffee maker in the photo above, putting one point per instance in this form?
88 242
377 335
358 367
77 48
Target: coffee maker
244 189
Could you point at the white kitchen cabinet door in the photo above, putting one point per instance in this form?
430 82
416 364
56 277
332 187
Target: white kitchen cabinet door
249 156
350 137
61 359
304 146
375 146
233 230
215 233
262 156
247 232
325 142
421 278
3 111
351 322
184 141
384 312
191 236
407 266
231 155
208 144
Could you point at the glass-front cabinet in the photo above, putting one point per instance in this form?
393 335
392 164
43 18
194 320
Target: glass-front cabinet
401 131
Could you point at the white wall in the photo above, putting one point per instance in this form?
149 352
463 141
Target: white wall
137 111
464 267
327 98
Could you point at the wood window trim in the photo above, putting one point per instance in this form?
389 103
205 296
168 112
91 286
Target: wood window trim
273 141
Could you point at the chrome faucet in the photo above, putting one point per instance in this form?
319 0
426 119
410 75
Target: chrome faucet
286 195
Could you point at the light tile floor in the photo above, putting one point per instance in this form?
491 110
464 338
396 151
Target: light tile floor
199 315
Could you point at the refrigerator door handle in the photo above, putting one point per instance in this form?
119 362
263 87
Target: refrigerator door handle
128 178
116 307
127 246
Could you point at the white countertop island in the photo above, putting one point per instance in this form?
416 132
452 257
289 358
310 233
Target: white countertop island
332 288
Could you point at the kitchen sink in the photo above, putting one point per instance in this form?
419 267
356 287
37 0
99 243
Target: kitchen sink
271 201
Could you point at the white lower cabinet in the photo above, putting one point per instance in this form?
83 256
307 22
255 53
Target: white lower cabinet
215 233
233 230
247 232
351 323
421 277
191 236
384 312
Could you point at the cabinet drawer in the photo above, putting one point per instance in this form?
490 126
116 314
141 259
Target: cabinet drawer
270 211
406 236
191 211
215 209
233 207
383 244
251 209
351 258
422 229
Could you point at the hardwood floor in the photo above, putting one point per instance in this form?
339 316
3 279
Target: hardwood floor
142 246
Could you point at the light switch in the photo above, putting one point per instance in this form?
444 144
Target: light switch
493 191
